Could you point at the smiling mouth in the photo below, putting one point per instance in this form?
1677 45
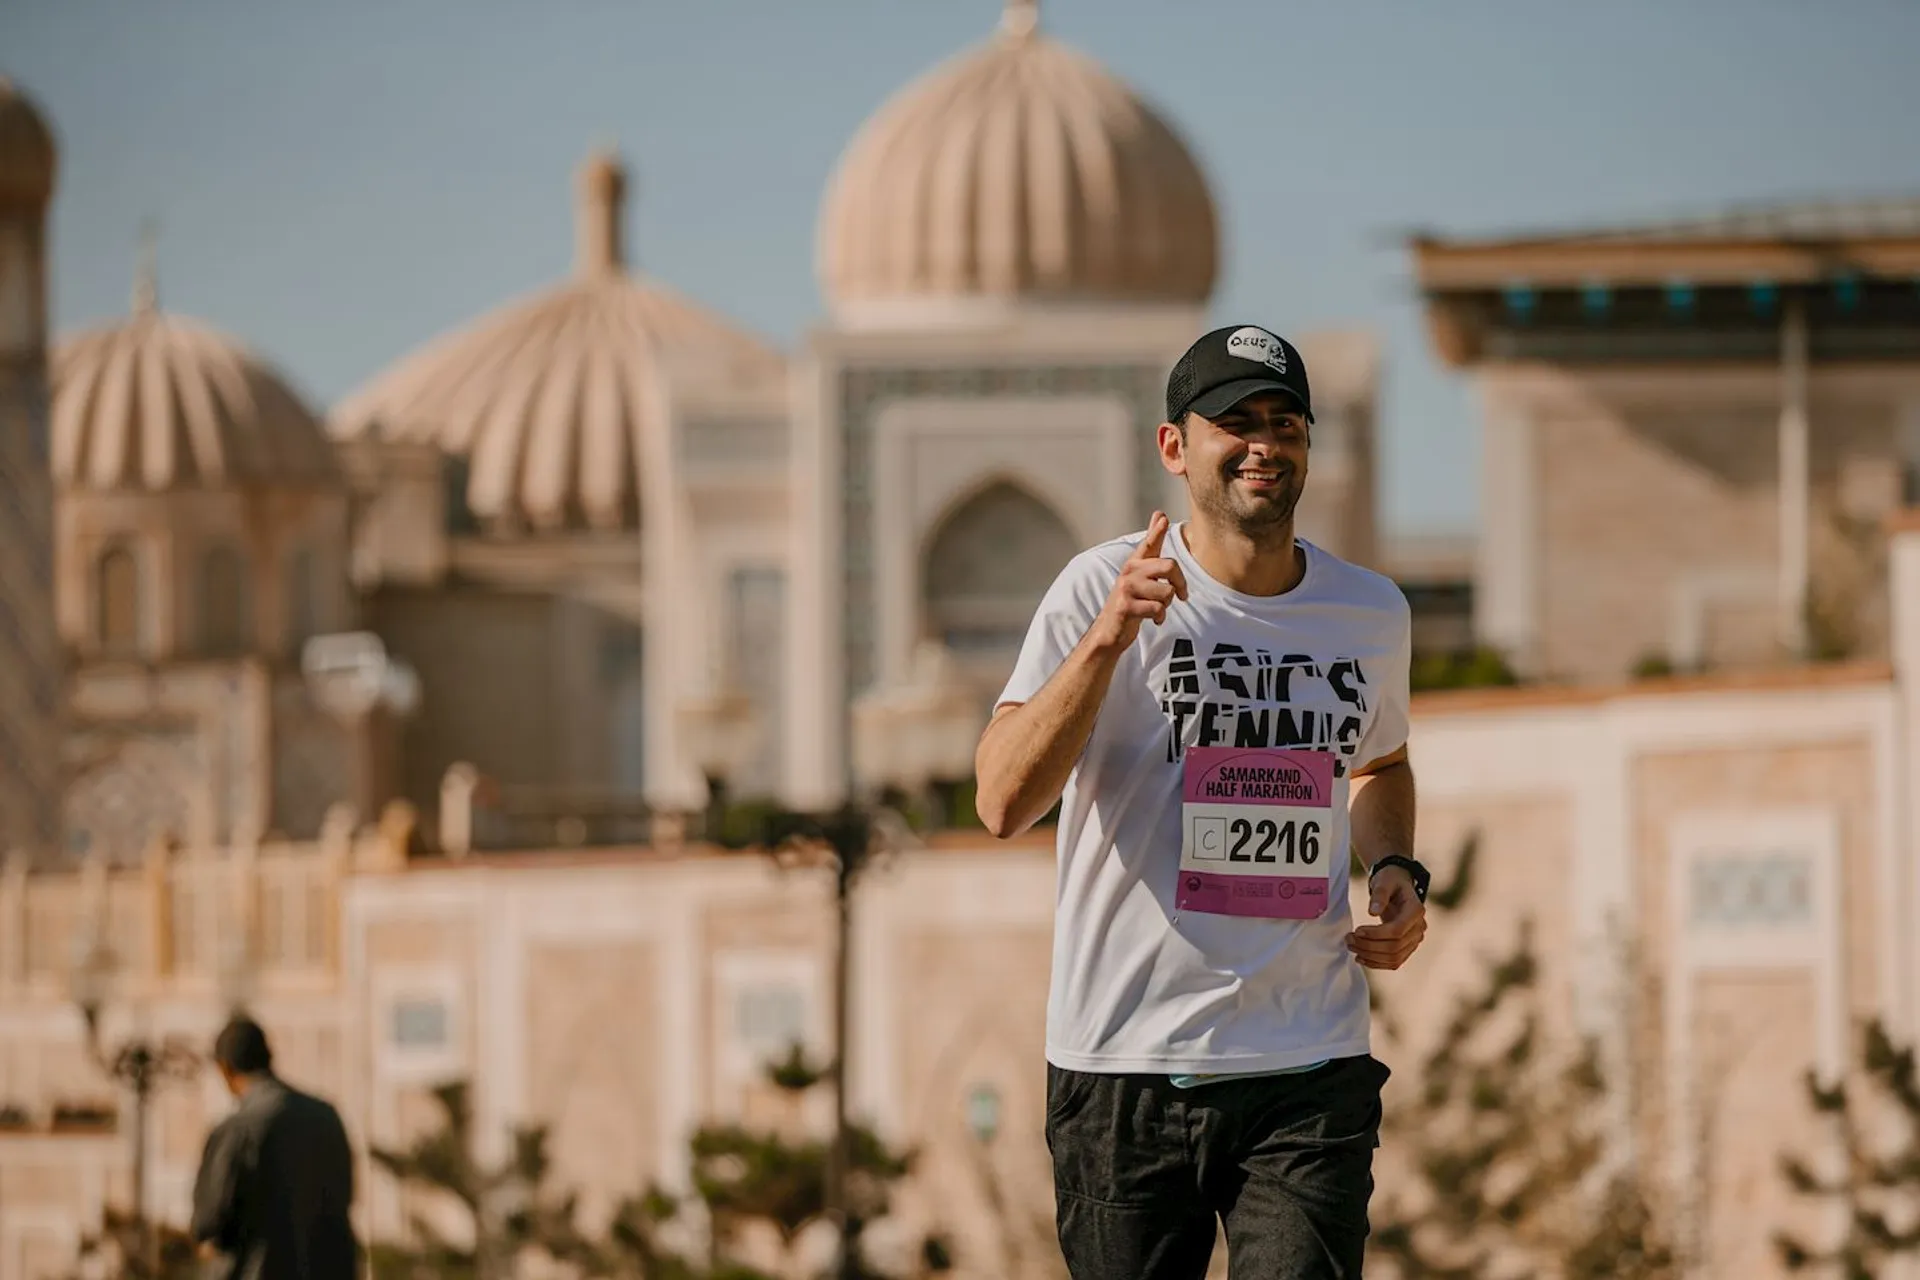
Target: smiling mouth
1260 477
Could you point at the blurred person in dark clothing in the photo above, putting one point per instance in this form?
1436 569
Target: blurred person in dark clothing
276 1178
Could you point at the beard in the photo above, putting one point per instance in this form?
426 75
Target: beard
1260 516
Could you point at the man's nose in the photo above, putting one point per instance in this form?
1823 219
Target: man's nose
1267 434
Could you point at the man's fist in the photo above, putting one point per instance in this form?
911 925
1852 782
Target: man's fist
1403 922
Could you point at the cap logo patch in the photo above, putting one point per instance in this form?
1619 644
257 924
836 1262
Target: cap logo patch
1258 346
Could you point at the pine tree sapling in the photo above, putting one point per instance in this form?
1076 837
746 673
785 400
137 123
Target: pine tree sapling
744 1177
1880 1185
508 1207
1507 1146
741 1178
634 1250
1504 1142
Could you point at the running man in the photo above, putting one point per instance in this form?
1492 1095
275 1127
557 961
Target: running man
1207 1028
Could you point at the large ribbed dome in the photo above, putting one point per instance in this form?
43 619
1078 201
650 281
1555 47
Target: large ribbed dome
1019 170
549 398
26 151
159 402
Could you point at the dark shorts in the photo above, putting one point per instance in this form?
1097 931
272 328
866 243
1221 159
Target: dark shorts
1143 1170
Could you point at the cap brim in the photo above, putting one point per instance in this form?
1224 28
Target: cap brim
1228 394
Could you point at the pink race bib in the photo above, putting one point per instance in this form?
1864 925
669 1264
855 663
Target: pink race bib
1256 829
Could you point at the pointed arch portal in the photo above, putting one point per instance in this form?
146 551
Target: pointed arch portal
987 566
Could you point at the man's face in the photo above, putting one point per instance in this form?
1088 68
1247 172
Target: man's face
1247 467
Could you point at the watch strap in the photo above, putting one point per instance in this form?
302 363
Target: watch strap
1421 876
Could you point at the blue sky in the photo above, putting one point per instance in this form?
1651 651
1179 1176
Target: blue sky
337 183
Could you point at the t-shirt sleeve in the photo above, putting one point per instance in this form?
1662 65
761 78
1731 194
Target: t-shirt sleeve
1392 712
1061 620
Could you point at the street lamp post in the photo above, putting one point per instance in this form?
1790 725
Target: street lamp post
853 833
905 738
139 1065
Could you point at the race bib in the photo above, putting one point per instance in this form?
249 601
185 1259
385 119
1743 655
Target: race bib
1256 828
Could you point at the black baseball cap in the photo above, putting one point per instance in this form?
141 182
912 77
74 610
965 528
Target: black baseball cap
1231 363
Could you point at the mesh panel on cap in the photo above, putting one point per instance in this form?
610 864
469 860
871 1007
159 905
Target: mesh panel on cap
1180 386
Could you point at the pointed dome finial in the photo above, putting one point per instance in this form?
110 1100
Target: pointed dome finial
146 274
601 209
1021 18
28 157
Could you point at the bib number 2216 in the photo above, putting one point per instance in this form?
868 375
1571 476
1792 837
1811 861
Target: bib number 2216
1288 840
1255 825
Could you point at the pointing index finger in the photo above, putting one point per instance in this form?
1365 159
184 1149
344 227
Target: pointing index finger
1149 548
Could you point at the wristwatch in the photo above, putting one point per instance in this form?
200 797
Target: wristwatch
1421 876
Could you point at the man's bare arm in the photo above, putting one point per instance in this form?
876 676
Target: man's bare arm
1382 806
1029 748
1382 823
1027 751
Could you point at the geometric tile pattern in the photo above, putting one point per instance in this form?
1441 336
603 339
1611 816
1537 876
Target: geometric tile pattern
988 566
865 390
30 656
137 785
1752 889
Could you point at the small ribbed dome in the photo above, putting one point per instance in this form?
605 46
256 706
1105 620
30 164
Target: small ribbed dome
26 151
1019 170
158 402
548 399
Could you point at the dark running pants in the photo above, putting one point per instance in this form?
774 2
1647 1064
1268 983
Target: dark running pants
1142 1170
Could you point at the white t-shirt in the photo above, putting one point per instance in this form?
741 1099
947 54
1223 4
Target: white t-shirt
1139 985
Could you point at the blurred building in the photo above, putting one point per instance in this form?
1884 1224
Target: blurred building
1435 573
665 549
1718 872
1692 433
382 722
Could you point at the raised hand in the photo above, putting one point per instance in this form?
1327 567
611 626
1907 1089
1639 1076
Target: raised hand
1149 582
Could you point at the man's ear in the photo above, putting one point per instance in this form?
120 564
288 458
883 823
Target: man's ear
1172 443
